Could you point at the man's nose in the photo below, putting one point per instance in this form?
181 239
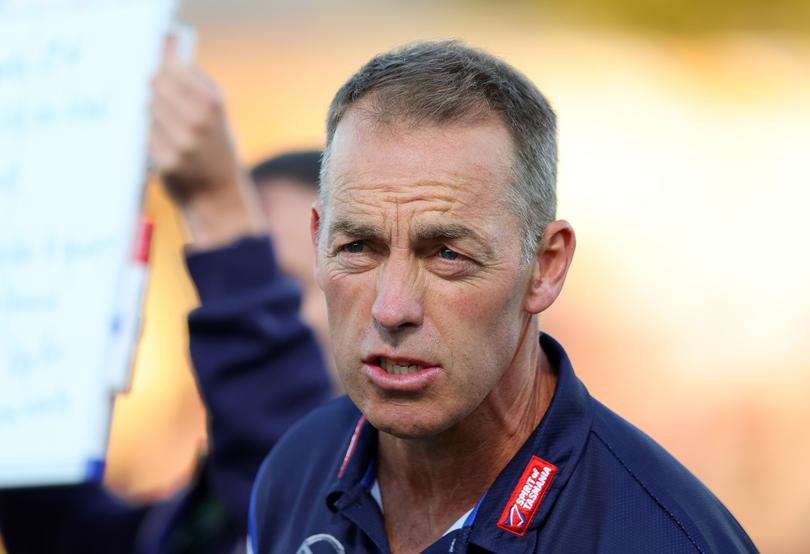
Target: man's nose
398 304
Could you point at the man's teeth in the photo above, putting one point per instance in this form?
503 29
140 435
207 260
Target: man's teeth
395 368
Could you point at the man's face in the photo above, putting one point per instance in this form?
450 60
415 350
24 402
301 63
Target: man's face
419 258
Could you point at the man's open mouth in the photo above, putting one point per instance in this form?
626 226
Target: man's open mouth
398 368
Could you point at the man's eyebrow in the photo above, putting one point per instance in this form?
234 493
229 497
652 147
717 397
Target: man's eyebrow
447 232
355 230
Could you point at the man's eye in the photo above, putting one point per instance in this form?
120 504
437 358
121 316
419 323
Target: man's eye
447 254
355 247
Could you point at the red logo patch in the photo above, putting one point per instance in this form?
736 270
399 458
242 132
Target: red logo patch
526 498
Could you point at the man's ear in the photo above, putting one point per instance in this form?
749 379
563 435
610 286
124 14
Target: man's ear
550 266
314 231
315 223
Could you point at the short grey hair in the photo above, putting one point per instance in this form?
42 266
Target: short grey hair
446 82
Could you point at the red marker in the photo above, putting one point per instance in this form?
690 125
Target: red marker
143 240
127 322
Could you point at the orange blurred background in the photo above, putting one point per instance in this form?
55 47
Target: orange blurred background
683 167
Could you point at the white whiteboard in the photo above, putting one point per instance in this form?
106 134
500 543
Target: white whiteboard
73 125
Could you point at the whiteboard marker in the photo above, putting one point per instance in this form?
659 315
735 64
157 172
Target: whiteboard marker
127 323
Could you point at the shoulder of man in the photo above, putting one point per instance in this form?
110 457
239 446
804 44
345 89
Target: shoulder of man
301 467
644 488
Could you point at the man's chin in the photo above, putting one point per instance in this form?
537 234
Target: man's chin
406 432
407 426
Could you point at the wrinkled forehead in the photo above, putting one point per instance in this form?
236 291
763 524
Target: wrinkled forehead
472 157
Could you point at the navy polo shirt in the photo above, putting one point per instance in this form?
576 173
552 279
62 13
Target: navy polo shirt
585 481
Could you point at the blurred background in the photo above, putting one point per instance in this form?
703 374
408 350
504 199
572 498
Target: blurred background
684 169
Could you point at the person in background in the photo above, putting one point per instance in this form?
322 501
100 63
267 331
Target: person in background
287 187
258 365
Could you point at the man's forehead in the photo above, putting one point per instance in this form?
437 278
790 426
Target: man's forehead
418 208
418 231
366 147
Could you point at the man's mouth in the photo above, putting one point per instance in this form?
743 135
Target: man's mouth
398 368
400 374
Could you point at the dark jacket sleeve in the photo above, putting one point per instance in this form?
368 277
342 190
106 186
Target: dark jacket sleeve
259 368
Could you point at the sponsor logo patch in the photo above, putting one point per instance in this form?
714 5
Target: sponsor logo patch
527 496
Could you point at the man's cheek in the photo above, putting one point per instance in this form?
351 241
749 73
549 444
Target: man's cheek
464 308
349 309
338 292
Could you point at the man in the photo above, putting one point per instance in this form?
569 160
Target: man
258 366
287 186
437 249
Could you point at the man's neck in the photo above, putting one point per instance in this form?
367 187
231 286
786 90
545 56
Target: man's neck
445 475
